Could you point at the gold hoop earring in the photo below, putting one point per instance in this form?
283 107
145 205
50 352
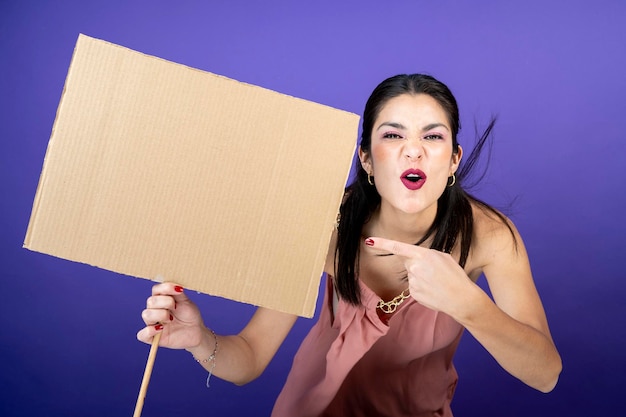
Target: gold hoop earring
369 179
453 180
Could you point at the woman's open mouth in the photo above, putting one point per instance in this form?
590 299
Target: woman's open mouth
413 179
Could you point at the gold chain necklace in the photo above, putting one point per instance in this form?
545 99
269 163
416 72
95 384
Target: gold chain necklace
389 307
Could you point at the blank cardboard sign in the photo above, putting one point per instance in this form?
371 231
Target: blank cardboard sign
157 169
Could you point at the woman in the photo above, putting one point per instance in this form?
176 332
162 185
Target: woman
402 268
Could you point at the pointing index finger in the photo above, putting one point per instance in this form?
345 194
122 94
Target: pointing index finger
393 246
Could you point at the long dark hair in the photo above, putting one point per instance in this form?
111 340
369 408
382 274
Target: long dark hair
453 219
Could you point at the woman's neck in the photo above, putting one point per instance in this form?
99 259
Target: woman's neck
390 223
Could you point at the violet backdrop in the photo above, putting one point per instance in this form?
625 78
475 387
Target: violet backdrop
554 73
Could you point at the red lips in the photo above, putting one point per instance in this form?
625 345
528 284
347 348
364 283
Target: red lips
413 179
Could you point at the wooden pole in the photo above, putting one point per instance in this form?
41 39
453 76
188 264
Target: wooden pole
146 375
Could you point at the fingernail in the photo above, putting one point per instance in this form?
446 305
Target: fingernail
158 327
178 288
171 318
369 242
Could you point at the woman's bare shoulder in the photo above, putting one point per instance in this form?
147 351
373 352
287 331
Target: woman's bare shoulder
491 223
494 235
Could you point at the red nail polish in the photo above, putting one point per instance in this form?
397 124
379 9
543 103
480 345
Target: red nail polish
369 242
158 327
171 318
178 288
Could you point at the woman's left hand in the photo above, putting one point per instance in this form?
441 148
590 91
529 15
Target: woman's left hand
435 279
513 326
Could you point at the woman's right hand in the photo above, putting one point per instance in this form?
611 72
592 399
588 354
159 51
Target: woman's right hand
170 312
240 358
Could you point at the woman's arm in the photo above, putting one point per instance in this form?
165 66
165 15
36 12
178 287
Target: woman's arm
243 357
239 358
514 328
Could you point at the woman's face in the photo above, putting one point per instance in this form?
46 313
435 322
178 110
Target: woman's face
411 155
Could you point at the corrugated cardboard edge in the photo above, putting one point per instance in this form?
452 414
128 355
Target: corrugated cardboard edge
42 177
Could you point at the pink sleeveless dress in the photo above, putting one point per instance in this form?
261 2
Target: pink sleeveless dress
355 365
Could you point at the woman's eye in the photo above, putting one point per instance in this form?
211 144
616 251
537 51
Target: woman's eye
433 136
392 136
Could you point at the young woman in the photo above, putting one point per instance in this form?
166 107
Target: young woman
402 267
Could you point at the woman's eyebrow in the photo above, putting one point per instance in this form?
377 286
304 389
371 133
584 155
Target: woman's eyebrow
400 126
395 125
434 125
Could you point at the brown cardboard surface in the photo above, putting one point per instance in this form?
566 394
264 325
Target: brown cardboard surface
157 169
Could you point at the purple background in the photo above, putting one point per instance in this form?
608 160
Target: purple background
554 72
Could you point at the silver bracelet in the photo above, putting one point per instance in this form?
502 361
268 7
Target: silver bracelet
211 359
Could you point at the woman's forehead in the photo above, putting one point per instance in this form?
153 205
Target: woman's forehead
407 110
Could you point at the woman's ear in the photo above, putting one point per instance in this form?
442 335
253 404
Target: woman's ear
456 160
366 161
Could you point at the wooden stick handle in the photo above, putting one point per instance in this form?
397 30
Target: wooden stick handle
146 375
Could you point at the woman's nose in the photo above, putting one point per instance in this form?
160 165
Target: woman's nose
413 149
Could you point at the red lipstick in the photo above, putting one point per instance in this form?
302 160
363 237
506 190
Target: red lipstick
413 179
